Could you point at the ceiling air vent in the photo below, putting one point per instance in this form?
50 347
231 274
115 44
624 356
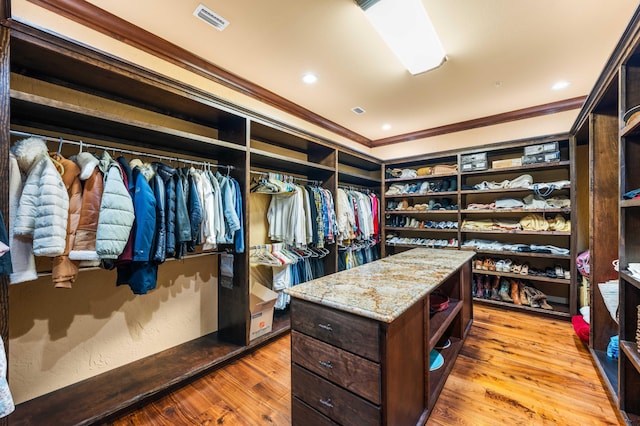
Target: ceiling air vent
358 110
210 17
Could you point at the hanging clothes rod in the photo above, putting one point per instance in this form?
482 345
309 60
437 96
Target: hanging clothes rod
356 188
285 177
82 145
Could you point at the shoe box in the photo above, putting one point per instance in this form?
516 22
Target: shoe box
541 153
471 162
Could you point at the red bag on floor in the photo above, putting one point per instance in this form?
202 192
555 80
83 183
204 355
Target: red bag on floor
581 327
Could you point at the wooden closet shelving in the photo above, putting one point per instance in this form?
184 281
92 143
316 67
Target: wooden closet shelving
562 291
182 120
612 147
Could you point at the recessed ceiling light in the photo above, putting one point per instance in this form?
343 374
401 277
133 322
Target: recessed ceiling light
559 85
309 78
386 127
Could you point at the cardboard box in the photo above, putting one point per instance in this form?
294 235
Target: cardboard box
546 157
509 162
541 148
262 301
470 162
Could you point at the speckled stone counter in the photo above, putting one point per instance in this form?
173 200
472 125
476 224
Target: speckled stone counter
384 289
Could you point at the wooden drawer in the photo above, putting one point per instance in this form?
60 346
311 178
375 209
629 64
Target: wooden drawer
350 371
302 414
344 330
331 400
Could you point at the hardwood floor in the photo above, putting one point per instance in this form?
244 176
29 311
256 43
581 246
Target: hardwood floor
514 369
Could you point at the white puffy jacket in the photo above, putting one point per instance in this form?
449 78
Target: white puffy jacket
116 211
44 204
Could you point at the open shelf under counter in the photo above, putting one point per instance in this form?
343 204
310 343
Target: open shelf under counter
528 167
528 277
558 309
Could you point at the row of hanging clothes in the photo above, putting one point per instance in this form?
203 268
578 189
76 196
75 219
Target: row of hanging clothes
97 210
298 215
290 266
358 216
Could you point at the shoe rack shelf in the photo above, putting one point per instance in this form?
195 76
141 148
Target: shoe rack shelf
629 244
524 276
610 144
562 290
522 254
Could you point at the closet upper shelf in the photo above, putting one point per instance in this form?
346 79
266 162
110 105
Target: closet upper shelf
43 113
283 163
357 179
525 168
76 67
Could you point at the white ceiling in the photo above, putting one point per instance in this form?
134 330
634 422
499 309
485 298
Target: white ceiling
503 55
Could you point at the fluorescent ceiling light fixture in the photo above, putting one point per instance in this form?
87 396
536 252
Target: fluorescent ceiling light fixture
406 28
309 78
560 85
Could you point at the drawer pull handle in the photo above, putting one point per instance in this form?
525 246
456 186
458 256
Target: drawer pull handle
326 327
326 402
326 364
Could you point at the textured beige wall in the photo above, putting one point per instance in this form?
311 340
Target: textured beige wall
60 336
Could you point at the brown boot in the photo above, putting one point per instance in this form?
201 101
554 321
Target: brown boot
515 292
495 288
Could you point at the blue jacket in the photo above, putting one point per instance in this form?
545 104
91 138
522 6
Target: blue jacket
167 173
144 204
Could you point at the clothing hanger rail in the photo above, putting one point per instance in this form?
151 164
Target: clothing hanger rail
84 145
286 177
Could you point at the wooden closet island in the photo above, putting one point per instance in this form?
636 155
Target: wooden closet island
361 339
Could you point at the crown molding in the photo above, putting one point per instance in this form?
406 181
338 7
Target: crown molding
491 120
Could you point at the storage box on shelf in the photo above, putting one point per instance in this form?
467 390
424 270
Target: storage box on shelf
518 220
420 203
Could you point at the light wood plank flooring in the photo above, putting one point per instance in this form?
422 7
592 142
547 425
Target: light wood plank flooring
514 369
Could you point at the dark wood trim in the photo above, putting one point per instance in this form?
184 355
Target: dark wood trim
104 22
5 10
491 120
5 141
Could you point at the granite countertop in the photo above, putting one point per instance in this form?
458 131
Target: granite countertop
384 289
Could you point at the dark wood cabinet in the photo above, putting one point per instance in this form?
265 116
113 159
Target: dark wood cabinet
353 369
